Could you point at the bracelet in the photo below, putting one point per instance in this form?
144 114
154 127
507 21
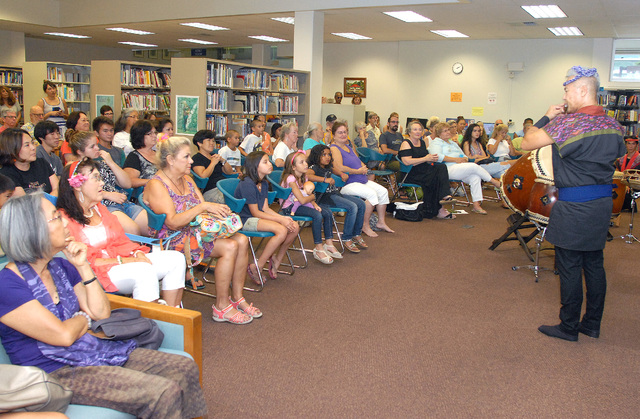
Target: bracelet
136 252
89 281
82 313
119 259
542 122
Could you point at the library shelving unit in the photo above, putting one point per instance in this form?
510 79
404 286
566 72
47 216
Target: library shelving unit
622 104
11 77
230 94
72 80
143 86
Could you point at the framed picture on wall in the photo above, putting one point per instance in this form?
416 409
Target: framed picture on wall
166 55
355 86
153 53
187 114
138 54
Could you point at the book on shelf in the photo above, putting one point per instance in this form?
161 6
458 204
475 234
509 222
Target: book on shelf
253 78
219 75
139 77
252 103
10 77
72 93
287 104
57 74
217 100
146 101
218 124
285 82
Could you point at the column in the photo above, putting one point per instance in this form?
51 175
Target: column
308 45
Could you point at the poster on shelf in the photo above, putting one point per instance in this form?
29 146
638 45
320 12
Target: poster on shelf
102 100
187 114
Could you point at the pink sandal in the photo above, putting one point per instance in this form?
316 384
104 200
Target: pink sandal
251 310
273 272
254 277
238 318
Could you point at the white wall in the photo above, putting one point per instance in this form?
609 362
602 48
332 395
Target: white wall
415 78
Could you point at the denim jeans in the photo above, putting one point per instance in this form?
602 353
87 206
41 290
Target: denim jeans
321 219
355 213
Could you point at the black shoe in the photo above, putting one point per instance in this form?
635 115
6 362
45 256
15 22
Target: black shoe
589 332
556 332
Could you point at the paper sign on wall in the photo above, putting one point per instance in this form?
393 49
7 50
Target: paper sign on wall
492 98
477 111
456 96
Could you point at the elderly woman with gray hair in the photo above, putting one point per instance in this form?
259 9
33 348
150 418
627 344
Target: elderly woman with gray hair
47 305
313 136
122 139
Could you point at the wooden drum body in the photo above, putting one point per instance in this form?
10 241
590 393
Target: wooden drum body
618 192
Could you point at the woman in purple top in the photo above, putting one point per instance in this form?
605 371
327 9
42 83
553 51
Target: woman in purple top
355 175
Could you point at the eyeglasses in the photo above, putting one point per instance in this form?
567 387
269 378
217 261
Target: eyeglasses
58 216
108 114
11 116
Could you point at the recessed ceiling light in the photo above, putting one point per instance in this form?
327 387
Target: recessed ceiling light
566 31
138 44
408 16
449 33
205 26
544 12
67 35
198 41
268 38
289 20
132 31
350 35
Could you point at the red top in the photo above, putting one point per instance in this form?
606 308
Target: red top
116 244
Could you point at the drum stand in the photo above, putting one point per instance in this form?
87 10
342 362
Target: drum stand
629 237
536 268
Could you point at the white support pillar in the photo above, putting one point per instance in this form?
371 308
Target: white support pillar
261 54
308 46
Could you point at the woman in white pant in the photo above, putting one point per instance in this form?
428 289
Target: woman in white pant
458 164
354 173
120 265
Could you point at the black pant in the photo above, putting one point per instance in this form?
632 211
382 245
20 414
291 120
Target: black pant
571 264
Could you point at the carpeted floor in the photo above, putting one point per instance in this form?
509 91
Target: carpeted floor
426 323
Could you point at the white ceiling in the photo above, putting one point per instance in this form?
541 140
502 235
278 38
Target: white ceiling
480 19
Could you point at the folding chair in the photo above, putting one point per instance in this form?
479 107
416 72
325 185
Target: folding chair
404 171
321 187
201 182
367 154
283 193
228 187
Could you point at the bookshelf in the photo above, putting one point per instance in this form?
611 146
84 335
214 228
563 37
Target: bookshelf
622 105
12 78
143 86
230 94
72 80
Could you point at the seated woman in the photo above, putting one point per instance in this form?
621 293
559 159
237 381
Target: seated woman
294 177
174 193
320 170
473 148
47 305
257 216
432 177
458 165
77 121
286 145
131 217
500 146
313 136
140 164
209 165
165 129
631 160
19 163
346 161
121 265
122 139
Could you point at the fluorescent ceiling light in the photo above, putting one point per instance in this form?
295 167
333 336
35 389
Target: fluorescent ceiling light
205 26
289 20
449 33
138 44
132 31
268 38
351 35
544 12
198 41
566 31
67 35
408 16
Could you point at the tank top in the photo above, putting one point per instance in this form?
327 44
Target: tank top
351 160
60 121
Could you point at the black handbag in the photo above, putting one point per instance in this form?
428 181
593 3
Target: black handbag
128 323
409 212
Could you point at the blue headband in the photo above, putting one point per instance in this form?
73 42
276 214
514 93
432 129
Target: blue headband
581 72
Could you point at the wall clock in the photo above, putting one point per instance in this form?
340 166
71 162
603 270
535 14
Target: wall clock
457 68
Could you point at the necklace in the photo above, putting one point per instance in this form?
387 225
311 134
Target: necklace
174 184
90 213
